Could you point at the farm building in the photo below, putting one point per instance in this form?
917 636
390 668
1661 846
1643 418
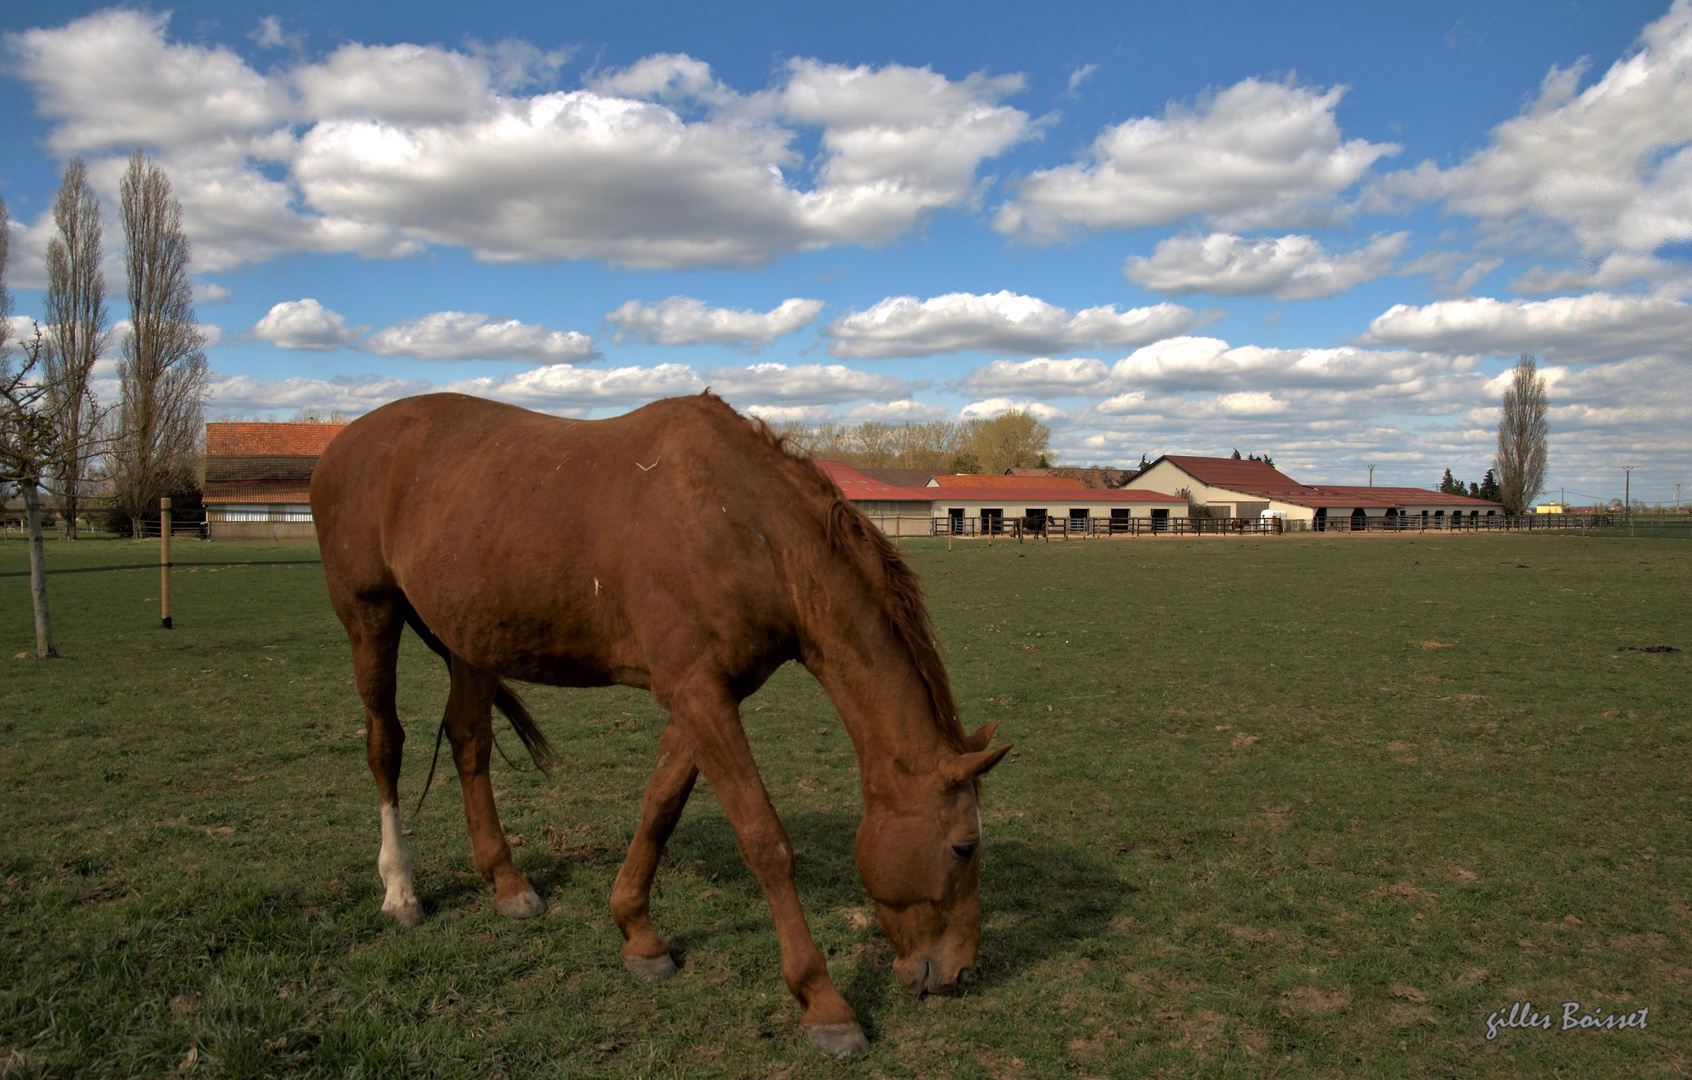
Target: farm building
975 505
258 479
1232 488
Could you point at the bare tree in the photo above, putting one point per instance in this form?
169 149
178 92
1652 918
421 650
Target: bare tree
27 441
75 312
163 373
1522 437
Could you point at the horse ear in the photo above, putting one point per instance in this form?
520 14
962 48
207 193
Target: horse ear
969 766
982 737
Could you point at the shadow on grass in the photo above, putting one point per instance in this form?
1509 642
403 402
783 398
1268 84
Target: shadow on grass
1049 898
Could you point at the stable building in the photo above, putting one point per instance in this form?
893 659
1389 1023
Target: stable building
1234 488
258 479
969 504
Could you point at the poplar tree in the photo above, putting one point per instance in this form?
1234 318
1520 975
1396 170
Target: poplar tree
163 372
1523 434
74 310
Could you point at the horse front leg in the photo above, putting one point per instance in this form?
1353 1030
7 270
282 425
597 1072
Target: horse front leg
469 726
645 953
710 719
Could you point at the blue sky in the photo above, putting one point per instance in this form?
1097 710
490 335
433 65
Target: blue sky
1320 231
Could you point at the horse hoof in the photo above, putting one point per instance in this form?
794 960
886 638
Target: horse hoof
409 916
838 1041
525 905
651 968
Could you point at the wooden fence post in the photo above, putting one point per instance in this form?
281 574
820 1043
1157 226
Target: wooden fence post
164 562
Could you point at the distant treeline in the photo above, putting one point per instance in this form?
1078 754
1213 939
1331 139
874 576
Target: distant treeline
1008 440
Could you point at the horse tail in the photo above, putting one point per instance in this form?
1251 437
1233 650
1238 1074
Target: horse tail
506 700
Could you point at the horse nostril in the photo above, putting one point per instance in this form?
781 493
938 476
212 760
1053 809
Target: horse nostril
925 970
966 975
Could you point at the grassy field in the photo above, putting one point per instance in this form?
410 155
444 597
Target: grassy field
1295 806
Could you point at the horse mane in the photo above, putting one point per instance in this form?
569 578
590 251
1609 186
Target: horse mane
897 588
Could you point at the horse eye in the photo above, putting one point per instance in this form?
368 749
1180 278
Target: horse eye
964 851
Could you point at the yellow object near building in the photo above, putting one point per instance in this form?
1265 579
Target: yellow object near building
1551 508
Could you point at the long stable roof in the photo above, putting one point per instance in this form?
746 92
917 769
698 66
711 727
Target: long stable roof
858 487
265 439
994 480
1262 480
1106 479
1318 495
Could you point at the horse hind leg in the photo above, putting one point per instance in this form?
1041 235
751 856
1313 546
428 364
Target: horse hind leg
373 630
469 726
645 953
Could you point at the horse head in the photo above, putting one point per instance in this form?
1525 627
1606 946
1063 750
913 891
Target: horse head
919 854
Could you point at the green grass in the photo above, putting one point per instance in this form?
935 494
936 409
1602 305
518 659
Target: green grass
1283 806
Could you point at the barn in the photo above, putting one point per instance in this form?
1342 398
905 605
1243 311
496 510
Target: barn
979 505
258 479
1232 488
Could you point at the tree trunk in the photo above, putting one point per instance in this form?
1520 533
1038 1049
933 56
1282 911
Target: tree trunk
44 649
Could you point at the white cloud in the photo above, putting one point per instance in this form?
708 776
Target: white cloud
351 396
998 406
1208 365
1611 163
1040 376
1594 327
1079 76
681 320
1254 155
111 79
380 149
305 324
558 386
458 335
901 411
1001 322
804 414
1452 272
810 383
1292 267
1618 270
210 292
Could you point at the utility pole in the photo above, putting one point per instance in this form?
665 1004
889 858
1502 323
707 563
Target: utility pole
1371 476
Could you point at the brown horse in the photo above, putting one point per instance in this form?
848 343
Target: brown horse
684 550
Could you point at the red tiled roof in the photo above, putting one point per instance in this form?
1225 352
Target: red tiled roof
980 481
258 491
269 440
858 487
1092 478
1242 475
903 477
1340 495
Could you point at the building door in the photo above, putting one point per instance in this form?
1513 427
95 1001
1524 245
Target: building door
1119 520
993 520
1078 520
1160 520
1034 520
955 513
1359 520
1320 521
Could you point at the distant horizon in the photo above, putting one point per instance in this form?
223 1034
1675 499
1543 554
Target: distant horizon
1321 234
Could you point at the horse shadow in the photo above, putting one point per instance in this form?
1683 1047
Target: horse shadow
1040 897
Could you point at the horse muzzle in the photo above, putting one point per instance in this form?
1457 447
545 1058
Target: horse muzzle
922 975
